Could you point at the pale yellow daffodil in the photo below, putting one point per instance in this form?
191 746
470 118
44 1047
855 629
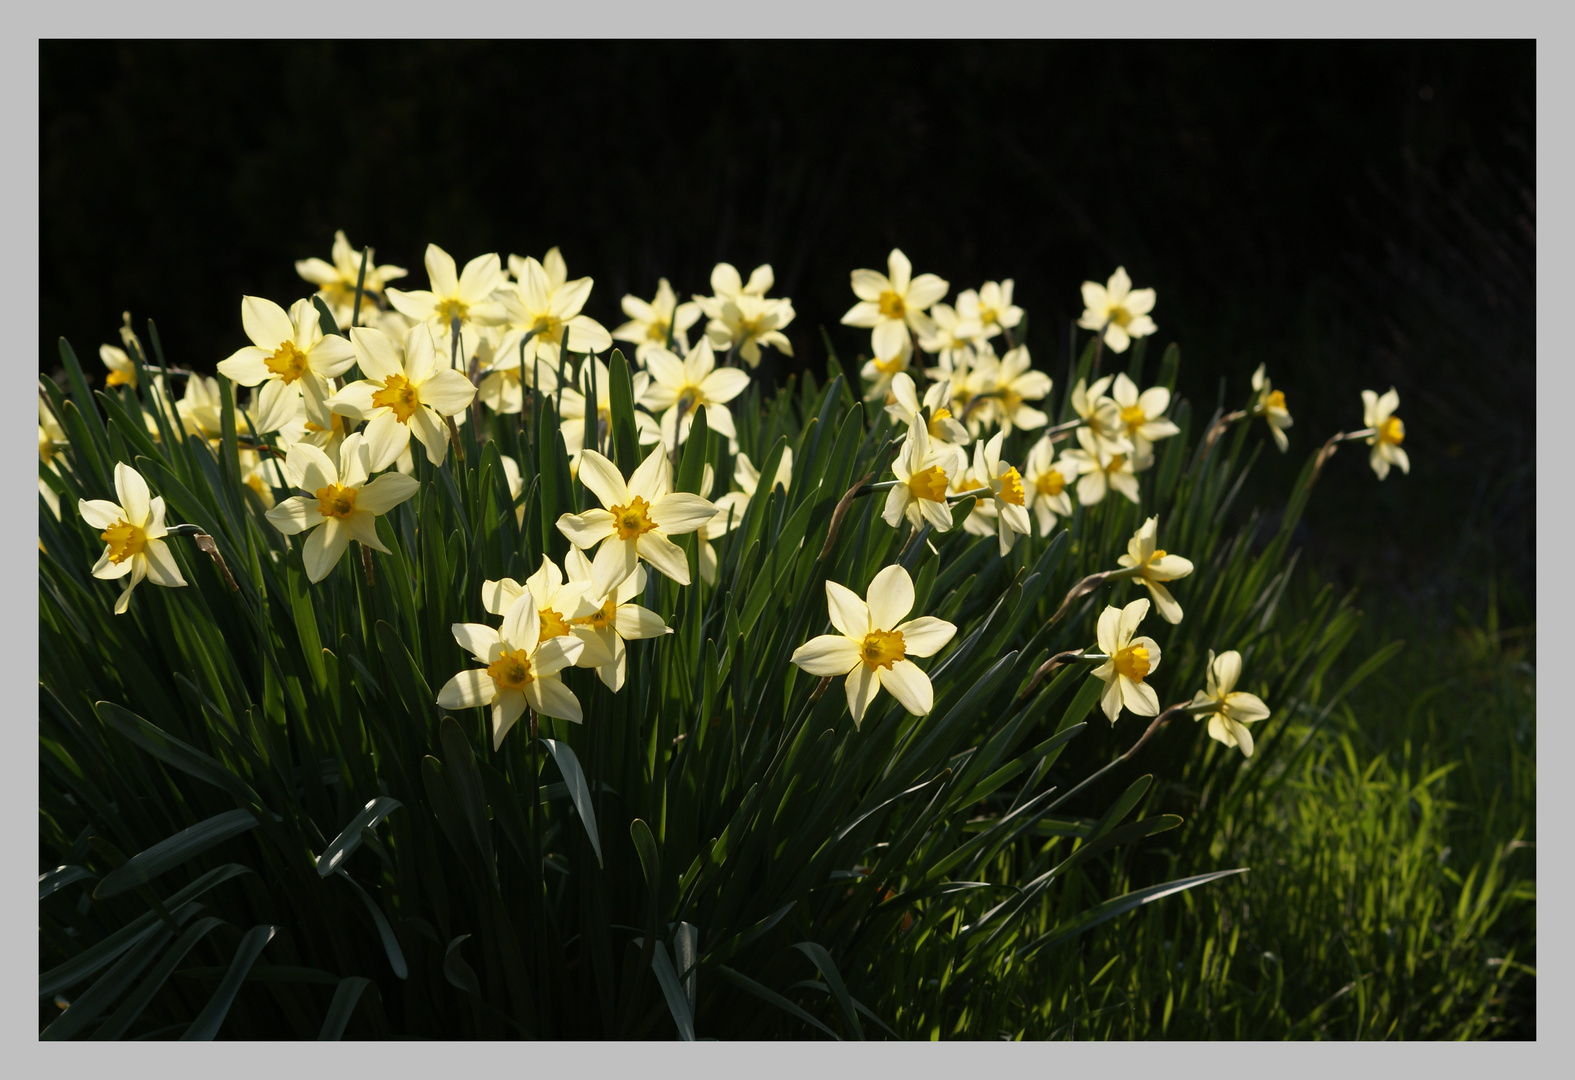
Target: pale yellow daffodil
1101 469
617 620
406 391
1388 432
881 371
1046 480
289 353
1128 661
894 302
1269 403
1005 490
873 644
1142 418
636 519
132 533
122 372
471 296
522 670
991 307
341 505
336 281
1229 710
681 388
952 339
1152 566
1100 415
537 307
1004 387
922 480
652 324
559 604
947 436
749 322
1118 309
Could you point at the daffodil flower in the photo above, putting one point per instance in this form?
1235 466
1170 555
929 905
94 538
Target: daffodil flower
872 644
894 302
132 532
1101 469
880 371
1101 416
341 505
1388 432
991 307
1004 387
1046 480
470 296
402 394
559 604
1269 403
950 337
636 521
122 372
922 480
750 322
1142 418
1128 661
1118 309
981 519
681 388
651 324
1228 710
51 438
336 281
578 432
290 353
1152 566
1006 490
615 621
947 436
521 670
534 305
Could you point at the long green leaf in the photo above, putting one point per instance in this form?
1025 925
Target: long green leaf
170 853
340 848
346 995
206 1026
579 790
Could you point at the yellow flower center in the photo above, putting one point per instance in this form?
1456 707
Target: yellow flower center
749 328
1050 482
120 378
287 362
599 620
511 671
1117 463
46 447
552 624
1133 416
988 315
1276 400
892 306
632 520
397 394
547 329
1159 553
882 648
337 422
689 399
929 484
1132 662
892 366
1012 486
1392 431
657 331
336 501
451 309
1120 316
936 430
124 540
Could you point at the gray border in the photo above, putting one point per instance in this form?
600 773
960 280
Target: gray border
814 18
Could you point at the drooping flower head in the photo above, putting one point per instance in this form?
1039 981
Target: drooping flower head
1269 403
1152 566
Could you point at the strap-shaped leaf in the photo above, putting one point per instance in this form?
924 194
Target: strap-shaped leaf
457 971
170 853
744 982
172 751
677 1003
340 848
52 881
579 790
206 1026
396 955
341 1007
828 970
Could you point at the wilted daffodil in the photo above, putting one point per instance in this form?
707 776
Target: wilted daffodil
522 669
1004 387
991 307
615 621
132 532
471 296
681 388
920 493
651 324
336 281
1006 490
947 436
1152 566
1228 710
1046 481
894 302
881 370
1128 661
1118 309
872 643
637 520
1269 403
538 306
290 353
1142 418
341 505
402 394
1388 432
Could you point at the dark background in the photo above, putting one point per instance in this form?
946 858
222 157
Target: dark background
1357 215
